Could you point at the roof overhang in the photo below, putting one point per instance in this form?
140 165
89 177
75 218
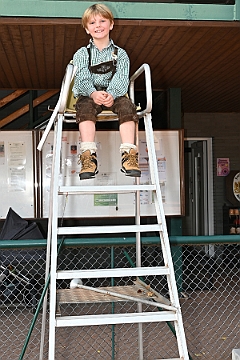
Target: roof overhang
188 46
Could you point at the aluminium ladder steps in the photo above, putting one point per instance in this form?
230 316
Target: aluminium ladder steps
102 229
173 312
114 319
99 189
86 295
136 291
108 273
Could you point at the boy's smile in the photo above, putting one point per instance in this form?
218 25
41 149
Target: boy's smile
99 27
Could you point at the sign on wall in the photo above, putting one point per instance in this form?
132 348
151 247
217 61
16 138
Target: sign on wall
16 173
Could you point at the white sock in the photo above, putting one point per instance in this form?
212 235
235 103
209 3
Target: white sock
126 147
88 146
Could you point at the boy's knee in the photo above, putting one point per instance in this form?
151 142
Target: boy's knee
125 109
86 109
126 118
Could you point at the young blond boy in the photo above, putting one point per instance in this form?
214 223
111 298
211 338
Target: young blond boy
101 82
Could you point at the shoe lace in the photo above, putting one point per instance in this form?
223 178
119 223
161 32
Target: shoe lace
132 160
86 161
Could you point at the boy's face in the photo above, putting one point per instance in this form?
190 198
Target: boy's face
99 27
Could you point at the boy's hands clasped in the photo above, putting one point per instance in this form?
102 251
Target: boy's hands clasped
102 98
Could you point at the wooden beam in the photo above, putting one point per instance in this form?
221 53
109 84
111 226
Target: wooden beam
13 96
20 21
23 110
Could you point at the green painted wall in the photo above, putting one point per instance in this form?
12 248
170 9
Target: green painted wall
122 10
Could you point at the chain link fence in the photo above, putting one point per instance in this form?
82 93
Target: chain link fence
208 282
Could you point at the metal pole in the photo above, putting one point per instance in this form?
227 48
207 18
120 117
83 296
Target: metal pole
126 297
48 256
37 310
113 305
138 253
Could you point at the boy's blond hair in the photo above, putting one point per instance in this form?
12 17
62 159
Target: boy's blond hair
96 9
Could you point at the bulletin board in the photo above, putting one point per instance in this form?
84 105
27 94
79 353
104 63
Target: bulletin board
16 173
169 151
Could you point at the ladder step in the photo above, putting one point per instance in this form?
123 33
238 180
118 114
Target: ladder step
109 273
113 319
108 229
86 294
105 189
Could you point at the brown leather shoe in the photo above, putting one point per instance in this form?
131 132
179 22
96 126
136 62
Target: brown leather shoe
89 165
130 164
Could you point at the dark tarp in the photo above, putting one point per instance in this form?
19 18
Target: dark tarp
16 228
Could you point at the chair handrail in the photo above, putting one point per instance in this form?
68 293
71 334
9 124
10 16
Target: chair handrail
69 74
68 77
146 69
61 103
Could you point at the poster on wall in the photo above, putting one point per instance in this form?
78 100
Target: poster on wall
223 166
16 173
17 161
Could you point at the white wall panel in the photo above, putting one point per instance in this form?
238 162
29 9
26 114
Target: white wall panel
16 173
109 160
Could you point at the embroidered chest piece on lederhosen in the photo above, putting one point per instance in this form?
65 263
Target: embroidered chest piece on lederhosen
104 67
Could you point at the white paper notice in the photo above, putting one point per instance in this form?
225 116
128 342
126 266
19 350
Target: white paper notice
16 166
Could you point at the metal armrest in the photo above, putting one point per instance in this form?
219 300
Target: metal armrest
146 69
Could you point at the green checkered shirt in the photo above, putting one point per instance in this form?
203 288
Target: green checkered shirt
85 82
